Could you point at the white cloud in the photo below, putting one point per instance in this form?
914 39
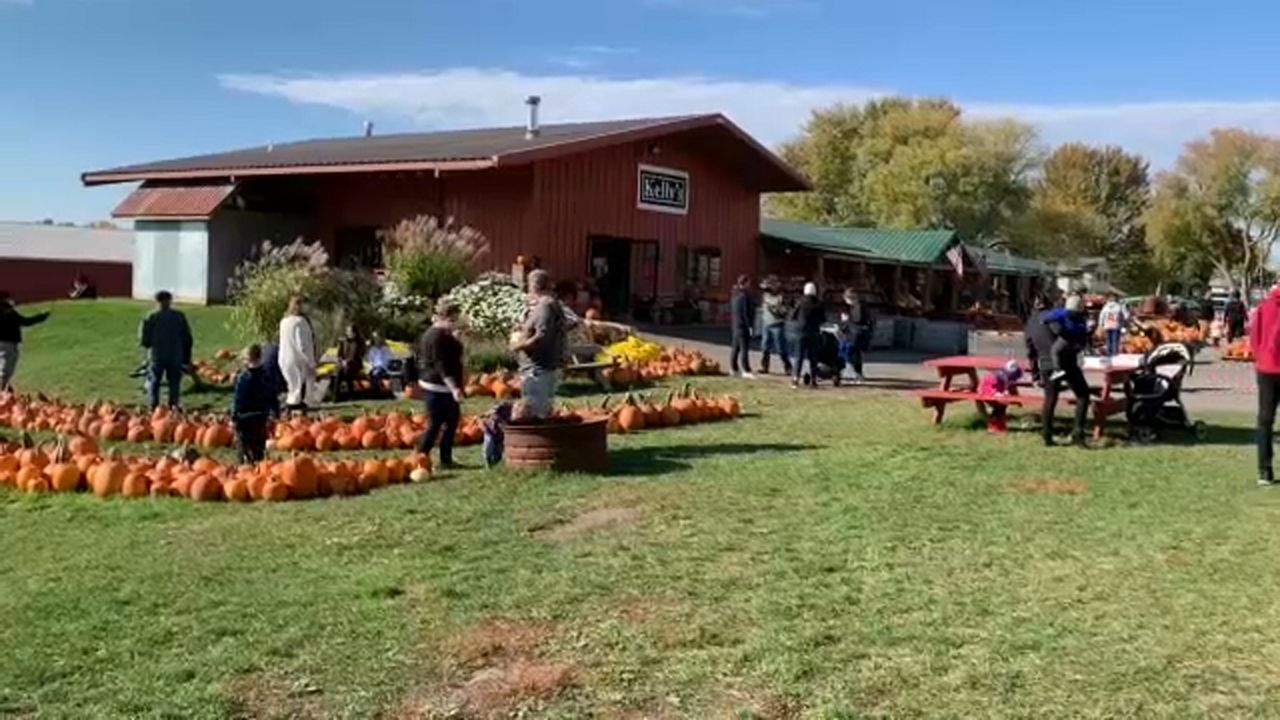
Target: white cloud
604 50
772 111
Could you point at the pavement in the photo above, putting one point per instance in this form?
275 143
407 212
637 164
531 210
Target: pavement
1214 385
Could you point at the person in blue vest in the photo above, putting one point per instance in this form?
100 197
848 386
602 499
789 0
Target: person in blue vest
1055 339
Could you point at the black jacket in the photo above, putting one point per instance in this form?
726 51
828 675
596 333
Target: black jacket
439 357
742 311
12 322
809 316
1054 339
255 394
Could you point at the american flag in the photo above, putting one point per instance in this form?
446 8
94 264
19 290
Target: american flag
956 256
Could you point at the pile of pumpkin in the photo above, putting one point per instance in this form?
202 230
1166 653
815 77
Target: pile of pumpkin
366 432
1238 351
502 385
684 408
669 363
221 370
106 421
77 465
1171 331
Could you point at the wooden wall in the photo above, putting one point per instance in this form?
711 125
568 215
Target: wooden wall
35 280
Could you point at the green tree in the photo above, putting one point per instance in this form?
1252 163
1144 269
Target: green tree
910 163
1089 202
1219 208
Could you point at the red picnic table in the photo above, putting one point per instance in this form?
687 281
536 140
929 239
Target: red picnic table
1114 372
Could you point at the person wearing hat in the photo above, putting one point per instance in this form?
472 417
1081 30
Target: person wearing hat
1055 340
809 316
998 384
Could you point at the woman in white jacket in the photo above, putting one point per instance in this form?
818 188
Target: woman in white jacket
297 356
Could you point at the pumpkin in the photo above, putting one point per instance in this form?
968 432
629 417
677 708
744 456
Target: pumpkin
206 488
138 434
37 484
652 415
26 476
361 425
258 487
159 489
275 492
64 475
501 389
108 477
181 486
162 429
325 441
373 474
83 445
185 433
373 440
134 485
299 475
670 415
420 461
397 471
630 417
348 440
420 475
341 483
729 405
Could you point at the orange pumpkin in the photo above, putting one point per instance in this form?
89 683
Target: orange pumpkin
397 471
237 490
162 429
108 477
138 434
134 485
373 440
275 492
185 433
373 475
325 442
83 445
630 417
348 440
299 474
206 488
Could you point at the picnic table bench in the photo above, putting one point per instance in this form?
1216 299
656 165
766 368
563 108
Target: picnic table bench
1104 404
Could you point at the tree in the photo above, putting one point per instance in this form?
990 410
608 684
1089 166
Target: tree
1219 208
1089 202
910 163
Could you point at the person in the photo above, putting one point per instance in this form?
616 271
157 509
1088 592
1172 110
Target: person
809 316
439 363
773 318
1113 319
1264 338
253 404
167 338
539 344
297 355
997 384
857 327
271 363
350 361
11 324
379 359
742 315
1235 314
82 289
1055 339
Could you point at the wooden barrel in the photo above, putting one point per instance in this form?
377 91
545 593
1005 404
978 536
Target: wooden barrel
561 447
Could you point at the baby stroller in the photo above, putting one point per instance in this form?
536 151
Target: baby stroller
1154 393
828 365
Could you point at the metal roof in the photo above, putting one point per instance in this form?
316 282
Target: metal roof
890 245
173 201
57 242
1007 263
448 150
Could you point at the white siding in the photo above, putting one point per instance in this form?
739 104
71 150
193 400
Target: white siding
171 255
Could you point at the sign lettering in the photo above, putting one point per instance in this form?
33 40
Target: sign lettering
663 190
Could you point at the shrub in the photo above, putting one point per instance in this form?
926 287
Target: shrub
491 306
427 258
262 285
484 355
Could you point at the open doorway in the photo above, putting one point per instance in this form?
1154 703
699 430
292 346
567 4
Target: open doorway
609 265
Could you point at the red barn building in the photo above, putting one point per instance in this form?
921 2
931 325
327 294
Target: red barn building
651 208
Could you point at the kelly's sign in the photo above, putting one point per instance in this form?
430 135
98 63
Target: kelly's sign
663 190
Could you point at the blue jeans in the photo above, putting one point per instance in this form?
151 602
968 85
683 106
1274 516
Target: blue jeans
851 353
171 372
774 340
1113 342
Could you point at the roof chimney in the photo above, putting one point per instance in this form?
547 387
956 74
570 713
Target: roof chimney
532 130
368 128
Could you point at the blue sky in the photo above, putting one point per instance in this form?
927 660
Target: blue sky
86 84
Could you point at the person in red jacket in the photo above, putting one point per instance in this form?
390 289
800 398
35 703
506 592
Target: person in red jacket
1264 339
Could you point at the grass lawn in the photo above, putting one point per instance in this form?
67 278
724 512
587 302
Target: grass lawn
830 556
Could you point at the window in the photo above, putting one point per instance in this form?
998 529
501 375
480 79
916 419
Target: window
702 267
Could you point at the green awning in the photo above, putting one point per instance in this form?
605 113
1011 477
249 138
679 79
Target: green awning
877 245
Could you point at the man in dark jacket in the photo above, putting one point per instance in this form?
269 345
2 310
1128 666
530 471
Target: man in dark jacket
167 337
809 315
11 324
1055 339
255 402
742 316
1235 314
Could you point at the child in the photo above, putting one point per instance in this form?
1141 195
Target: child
494 422
996 384
254 403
